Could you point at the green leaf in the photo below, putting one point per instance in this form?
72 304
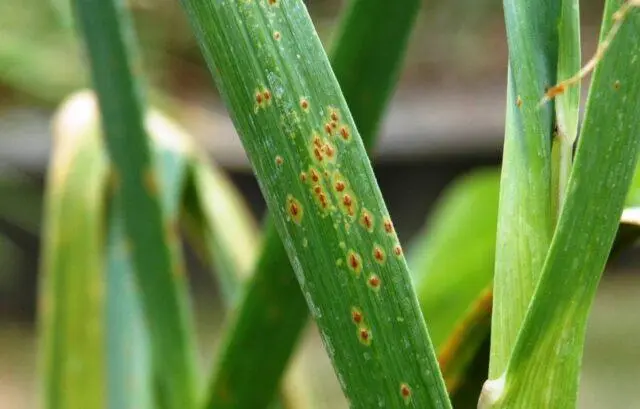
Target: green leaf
278 86
273 281
526 217
128 355
72 288
568 103
544 368
455 292
129 370
154 245
633 197
369 49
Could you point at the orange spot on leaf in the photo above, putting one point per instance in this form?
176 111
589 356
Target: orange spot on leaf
366 220
356 315
295 210
364 335
378 254
354 262
374 282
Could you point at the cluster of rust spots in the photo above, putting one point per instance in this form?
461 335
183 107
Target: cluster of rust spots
272 2
348 204
303 177
277 35
367 220
616 85
397 250
518 101
354 262
363 331
294 209
347 201
319 194
279 160
374 282
405 392
322 151
262 98
315 176
378 254
333 126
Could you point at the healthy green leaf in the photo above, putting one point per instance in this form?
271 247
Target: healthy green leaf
274 282
312 167
544 368
128 356
153 243
526 220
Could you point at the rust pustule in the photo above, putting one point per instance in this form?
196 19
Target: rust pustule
388 226
366 220
374 282
354 262
405 392
378 254
365 335
356 315
294 209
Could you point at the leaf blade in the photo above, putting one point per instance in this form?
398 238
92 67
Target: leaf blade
103 25
255 73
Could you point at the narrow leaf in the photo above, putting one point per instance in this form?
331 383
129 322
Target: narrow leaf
72 288
568 103
154 246
525 221
273 281
284 100
129 358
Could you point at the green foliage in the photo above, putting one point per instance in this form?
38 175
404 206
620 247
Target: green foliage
273 281
464 221
526 219
72 287
153 242
115 317
554 327
284 100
